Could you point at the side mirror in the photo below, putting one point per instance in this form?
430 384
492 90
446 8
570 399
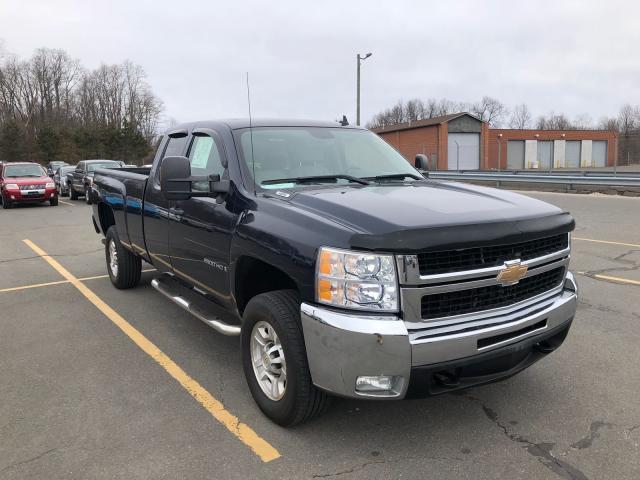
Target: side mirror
176 180
422 162
175 173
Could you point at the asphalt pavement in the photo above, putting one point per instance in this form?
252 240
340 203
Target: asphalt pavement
82 395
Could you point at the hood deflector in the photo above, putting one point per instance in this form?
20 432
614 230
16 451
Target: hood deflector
452 237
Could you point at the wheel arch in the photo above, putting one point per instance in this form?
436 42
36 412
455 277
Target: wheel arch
253 276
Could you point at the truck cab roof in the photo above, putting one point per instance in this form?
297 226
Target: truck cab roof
240 123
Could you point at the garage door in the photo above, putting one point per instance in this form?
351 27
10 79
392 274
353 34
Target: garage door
464 151
545 154
572 154
515 154
599 153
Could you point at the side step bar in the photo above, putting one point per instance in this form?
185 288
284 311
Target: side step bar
176 294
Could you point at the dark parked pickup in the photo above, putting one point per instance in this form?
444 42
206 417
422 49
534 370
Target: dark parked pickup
80 180
341 267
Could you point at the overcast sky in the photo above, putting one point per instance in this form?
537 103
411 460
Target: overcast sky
567 56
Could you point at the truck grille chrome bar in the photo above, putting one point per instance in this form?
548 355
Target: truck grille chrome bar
448 261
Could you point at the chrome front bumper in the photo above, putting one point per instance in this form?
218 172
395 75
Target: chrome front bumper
343 346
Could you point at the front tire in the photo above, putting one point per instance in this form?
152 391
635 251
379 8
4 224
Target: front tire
54 202
274 359
87 195
123 266
73 195
6 204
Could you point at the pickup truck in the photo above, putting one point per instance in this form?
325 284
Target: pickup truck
79 180
344 270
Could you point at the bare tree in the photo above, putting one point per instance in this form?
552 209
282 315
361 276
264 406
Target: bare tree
490 110
521 117
608 123
628 119
583 122
553 122
51 94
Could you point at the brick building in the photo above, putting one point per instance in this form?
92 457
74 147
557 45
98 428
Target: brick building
460 141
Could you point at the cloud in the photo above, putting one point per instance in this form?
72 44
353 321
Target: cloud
573 57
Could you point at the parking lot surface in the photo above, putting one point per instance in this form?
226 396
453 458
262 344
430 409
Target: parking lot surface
83 396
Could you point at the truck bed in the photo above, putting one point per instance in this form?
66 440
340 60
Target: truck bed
123 190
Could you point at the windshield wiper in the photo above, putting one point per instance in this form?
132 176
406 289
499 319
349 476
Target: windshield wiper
396 176
316 178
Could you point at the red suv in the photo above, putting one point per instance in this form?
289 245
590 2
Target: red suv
26 182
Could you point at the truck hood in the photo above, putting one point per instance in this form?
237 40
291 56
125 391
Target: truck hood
432 215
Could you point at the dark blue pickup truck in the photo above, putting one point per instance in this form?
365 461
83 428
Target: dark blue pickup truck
343 269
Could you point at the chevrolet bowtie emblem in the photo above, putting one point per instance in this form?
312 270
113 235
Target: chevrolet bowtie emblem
513 272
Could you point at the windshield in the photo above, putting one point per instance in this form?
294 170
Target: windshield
15 171
92 167
302 152
63 170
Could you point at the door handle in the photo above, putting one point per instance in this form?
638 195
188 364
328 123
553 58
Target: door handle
177 211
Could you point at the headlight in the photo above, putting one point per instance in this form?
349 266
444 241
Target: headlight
358 280
11 186
50 185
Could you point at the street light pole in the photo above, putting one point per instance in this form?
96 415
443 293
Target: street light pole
499 151
359 58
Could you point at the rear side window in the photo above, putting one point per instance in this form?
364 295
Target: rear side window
205 156
175 147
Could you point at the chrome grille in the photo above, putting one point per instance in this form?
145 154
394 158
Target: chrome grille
32 187
447 261
461 301
477 299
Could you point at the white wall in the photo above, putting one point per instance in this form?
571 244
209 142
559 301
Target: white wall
530 154
585 153
559 148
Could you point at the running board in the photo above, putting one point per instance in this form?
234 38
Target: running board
178 295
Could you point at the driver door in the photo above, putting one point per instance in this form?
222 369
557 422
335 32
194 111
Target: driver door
200 228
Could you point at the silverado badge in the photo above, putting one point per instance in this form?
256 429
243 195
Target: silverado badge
513 272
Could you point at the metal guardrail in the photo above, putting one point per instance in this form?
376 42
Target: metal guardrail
546 177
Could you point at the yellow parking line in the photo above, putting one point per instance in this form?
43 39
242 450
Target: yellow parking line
13 289
59 282
635 245
66 203
627 281
243 432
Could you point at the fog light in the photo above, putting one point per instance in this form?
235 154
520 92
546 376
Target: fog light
52 195
13 197
380 385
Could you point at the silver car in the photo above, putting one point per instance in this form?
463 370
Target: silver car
60 179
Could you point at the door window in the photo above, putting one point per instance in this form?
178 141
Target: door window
205 156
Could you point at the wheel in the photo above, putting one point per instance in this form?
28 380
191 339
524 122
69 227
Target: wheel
6 204
87 196
123 266
73 195
275 361
54 202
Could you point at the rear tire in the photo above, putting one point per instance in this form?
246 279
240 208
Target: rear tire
301 400
54 202
123 266
73 195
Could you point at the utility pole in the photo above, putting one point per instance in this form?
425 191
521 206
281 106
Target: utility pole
499 151
360 58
